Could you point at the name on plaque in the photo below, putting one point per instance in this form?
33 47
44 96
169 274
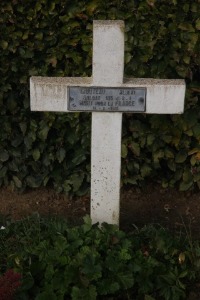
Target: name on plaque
106 99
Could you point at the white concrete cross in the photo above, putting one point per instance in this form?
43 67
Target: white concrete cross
52 94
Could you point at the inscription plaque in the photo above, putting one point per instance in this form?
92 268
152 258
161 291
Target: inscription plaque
107 99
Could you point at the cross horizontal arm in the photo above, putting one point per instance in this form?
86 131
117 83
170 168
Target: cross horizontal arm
162 97
51 93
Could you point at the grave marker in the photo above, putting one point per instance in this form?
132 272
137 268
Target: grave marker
107 94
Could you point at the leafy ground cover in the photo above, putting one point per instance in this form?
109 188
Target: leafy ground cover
139 262
58 261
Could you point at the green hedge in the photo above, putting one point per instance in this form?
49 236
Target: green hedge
54 38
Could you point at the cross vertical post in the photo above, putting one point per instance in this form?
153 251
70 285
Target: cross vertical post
108 68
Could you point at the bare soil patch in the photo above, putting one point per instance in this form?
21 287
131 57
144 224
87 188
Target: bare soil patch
168 207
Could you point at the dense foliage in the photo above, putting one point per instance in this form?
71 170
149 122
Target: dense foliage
57 261
54 38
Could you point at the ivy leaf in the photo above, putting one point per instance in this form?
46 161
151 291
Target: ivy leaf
91 7
17 141
76 293
4 45
39 36
86 294
181 156
87 224
186 27
87 220
124 151
107 286
193 160
36 154
197 24
43 132
3 172
169 153
186 59
50 295
128 57
157 155
135 148
145 170
150 139
78 159
67 186
171 165
126 279
178 174
184 186
187 176
17 182
61 154
76 180
4 156
114 287
34 181
196 130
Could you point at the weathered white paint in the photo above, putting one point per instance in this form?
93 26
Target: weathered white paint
106 167
163 97
108 68
51 94
108 53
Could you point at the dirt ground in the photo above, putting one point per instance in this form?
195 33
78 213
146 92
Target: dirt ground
152 204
